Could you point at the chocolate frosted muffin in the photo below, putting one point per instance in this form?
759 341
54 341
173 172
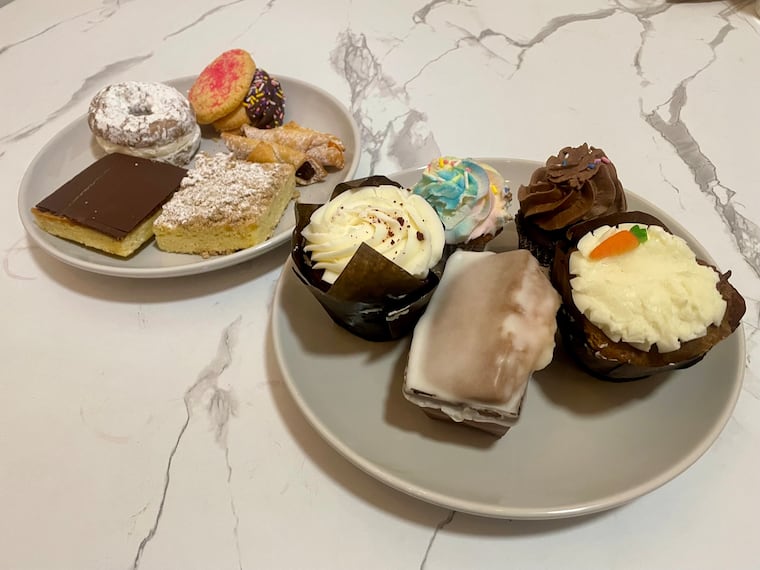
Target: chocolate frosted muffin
578 184
635 299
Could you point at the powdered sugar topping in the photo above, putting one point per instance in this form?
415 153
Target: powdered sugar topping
140 115
220 189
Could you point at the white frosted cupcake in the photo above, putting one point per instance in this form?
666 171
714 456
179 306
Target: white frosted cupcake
370 255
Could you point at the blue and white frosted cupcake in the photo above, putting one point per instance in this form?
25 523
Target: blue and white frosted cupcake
470 197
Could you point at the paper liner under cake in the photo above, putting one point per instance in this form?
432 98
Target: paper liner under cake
373 297
541 245
499 430
619 361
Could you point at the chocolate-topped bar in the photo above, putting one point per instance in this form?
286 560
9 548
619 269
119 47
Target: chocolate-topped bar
111 204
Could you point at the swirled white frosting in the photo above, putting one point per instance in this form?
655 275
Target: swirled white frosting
400 225
656 294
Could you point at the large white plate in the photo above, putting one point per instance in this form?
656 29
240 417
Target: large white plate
74 148
581 446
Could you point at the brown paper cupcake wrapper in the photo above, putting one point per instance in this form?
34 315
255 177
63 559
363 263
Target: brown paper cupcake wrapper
373 297
542 250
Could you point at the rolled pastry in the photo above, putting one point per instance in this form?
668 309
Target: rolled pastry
323 147
308 170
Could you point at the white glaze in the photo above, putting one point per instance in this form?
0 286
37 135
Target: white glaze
452 364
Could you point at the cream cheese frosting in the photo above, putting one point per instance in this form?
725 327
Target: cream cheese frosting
401 226
471 198
654 295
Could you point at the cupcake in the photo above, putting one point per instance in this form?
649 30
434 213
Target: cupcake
635 299
470 197
371 255
489 326
576 185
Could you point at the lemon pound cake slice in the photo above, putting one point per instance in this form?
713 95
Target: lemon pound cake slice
224 205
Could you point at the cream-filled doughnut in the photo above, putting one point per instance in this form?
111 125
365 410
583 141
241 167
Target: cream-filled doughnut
149 120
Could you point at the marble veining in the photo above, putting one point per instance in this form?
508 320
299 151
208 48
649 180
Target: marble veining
380 107
87 89
202 17
17 247
221 406
673 129
439 527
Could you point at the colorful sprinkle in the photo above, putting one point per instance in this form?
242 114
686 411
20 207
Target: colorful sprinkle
265 102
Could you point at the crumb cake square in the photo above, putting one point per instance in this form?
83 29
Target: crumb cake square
111 204
224 205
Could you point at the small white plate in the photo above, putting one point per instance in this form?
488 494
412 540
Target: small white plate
74 148
581 446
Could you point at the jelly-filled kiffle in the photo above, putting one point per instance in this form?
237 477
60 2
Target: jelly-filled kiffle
372 256
578 184
636 301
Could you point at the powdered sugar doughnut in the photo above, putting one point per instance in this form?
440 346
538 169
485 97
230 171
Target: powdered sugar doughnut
149 120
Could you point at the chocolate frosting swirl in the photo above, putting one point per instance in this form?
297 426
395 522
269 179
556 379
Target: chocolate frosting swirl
580 183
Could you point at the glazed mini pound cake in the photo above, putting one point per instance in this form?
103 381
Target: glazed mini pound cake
224 205
489 326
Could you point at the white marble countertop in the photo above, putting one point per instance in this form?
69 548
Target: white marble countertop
145 423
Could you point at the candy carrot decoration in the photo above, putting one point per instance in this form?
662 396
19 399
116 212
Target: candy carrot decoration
619 243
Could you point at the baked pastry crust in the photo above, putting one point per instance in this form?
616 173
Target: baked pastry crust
619 361
326 148
224 205
308 170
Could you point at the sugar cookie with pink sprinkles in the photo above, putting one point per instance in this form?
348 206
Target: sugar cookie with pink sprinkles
222 85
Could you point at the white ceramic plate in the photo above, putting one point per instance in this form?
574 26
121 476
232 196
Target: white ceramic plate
74 148
581 446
